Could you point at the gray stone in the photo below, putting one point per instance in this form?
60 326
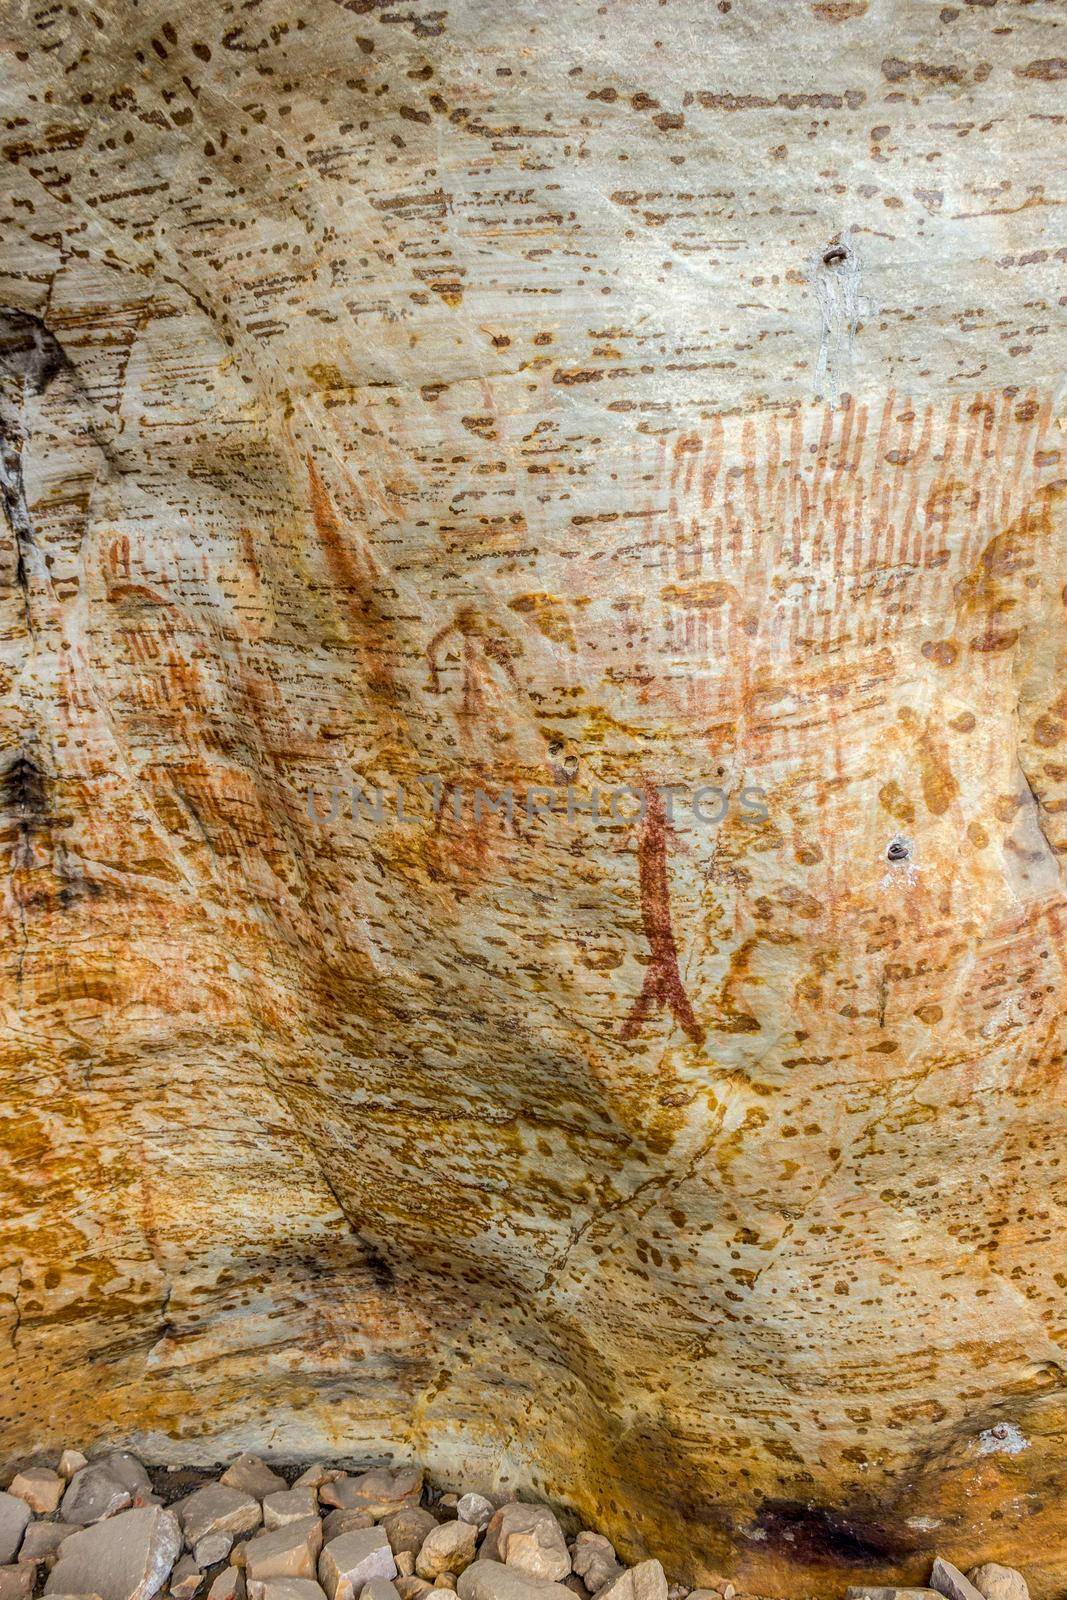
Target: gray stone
949 1581
129 1471
126 1557
475 1509
378 1589
350 1561
43 1539
595 1560
860 1591
450 1547
93 1494
212 1548
492 1580
999 1583
40 1487
217 1508
14 1515
287 1552
253 1477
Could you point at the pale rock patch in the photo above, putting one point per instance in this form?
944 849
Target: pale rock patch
492 1580
350 1561
646 1581
994 1582
217 1508
288 1506
253 1476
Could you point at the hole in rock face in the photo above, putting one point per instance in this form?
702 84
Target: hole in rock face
899 850
835 256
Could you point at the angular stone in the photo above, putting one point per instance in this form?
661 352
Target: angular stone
378 1589
185 1579
860 1591
530 1538
288 1552
475 1509
40 1487
445 1580
646 1581
93 1494
595 1560
129 1471
492 1580
411 1588
379 1491
405 1563
284 1589
995 1582
450 1547
217 1508
253 1477
949 1581
337 1522
288 1506
229 1585
17 1583
43 1539
350 1561
408 1529
126 1557
315 1476
70 1462
212 1548
14 1515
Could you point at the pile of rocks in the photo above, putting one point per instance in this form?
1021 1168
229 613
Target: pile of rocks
105 1529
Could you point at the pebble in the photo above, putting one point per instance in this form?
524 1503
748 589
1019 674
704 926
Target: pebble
646 1581
186 1578
213 1548
530 1538
595 1561
492 1580
288 1506
408 1529
475 1509
217 1508
287 1552
70 1462
229 1585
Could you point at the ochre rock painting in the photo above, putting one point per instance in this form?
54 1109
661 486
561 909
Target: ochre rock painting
640 398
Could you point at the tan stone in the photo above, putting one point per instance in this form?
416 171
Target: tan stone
995 1582
411 1588
646 1581
492 1580
380 1491
409 1529
229 1585
41 1489
405 1563
378 1589
127 1557
595 1561
289 1506
447 1548
252 1476
284 1589
186 1578
351 1560
528 1537
70 1462
16 1583
212 1548
287 1552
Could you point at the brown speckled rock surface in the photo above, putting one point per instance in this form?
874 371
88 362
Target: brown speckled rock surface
639 393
